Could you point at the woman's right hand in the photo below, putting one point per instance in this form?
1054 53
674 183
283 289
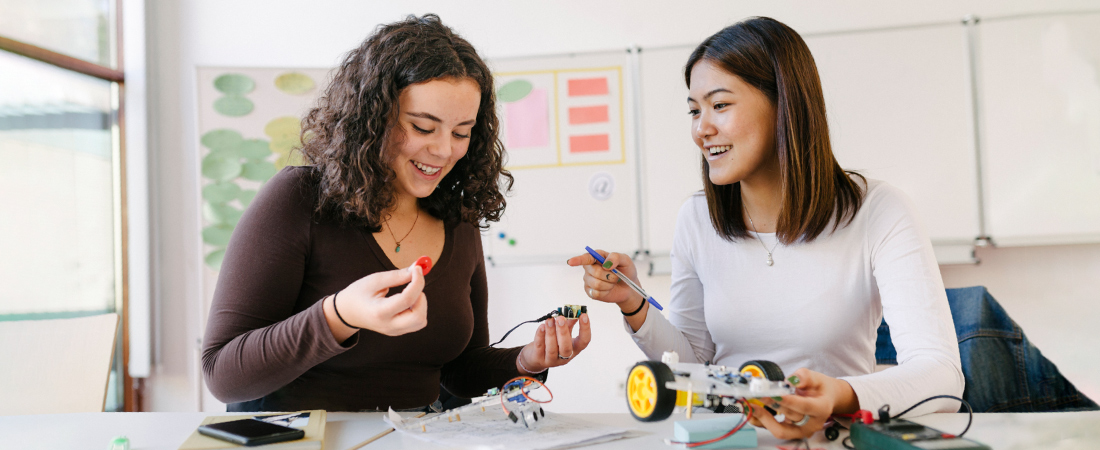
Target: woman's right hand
364 304
600 284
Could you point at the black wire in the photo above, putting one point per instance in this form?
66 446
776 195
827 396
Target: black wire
968 410
540 319
969 420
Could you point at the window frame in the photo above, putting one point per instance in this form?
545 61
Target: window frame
130 391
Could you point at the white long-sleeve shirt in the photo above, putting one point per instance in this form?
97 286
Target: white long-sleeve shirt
819 305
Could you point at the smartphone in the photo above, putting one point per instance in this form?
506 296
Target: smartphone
251 432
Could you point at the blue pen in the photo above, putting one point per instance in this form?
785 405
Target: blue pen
633 286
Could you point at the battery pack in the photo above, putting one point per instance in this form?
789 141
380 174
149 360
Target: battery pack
706 429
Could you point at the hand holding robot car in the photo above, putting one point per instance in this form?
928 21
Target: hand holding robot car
655 388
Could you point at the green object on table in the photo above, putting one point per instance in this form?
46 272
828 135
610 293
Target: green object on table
900 434
701 430
119 443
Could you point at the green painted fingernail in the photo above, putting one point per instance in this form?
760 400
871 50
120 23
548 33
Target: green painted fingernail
794 379
607 264
777 399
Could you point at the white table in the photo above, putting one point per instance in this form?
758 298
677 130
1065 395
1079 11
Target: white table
149 431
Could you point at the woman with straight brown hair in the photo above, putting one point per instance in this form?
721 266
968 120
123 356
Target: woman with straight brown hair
784 256
319 304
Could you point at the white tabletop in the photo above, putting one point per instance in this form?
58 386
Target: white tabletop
149 431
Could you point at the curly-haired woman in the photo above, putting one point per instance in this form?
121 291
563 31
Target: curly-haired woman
310 311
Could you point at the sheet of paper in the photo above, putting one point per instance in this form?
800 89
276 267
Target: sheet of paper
492 429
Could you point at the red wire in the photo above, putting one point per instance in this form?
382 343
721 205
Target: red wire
744 421
527 382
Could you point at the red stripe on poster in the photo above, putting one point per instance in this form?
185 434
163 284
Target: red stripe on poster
589 143
588 86
588 114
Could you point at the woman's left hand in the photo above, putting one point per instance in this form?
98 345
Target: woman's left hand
818 396
554 344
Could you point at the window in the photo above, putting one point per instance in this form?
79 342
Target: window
61 160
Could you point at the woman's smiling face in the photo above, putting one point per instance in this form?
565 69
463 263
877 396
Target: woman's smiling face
732 122
435 120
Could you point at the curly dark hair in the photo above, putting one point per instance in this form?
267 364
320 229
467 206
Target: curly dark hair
347 135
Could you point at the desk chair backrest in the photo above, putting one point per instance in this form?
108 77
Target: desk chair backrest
56 366
1004 372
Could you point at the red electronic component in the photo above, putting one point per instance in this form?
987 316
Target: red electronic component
425 264
862 415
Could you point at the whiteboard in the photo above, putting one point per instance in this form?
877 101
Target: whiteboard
899 106
900 110
567 127
1040 91
671 160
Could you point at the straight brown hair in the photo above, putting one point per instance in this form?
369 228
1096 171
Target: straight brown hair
816 191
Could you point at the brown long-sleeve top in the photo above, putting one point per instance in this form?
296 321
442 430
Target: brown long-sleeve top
268 347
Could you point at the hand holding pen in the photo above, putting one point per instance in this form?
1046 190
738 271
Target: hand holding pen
603 271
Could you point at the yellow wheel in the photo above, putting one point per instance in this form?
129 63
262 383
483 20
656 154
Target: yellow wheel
763 369
646 395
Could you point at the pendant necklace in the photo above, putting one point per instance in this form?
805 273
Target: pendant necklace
388 227
769 261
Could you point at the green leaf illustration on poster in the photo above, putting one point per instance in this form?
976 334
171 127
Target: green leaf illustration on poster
221 140
295 83
214 259
255 149
234 83
258 170
217 235
285 134
245 197
220 168
221 192
221 214
233 106
514 91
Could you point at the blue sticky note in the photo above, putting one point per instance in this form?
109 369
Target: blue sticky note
701 430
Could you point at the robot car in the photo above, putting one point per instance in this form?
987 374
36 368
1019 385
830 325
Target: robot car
655 388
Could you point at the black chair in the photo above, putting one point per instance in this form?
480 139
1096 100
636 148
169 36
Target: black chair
1004 372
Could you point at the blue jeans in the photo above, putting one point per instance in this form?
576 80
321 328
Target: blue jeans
1004 372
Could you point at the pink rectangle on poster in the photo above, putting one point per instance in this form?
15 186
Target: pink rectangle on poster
587 86
588 114
589 143
528 121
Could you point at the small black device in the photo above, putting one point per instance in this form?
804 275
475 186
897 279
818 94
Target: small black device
250 432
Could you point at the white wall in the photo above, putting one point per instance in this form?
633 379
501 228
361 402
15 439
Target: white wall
184 34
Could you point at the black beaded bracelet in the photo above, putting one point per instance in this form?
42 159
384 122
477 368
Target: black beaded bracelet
337 311
636 311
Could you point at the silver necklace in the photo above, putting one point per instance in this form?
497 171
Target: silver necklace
770 261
